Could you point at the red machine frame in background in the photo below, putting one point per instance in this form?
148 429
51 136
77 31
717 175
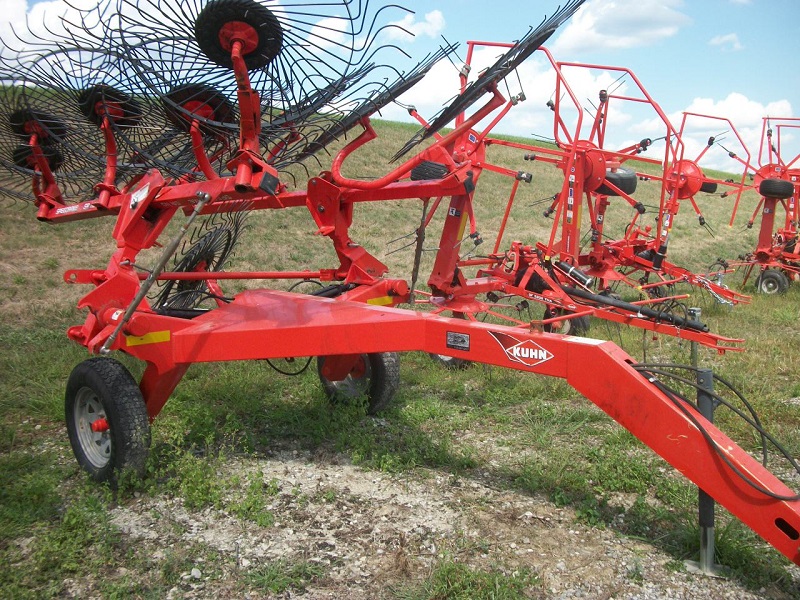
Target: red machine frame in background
777 180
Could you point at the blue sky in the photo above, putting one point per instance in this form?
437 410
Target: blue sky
732 58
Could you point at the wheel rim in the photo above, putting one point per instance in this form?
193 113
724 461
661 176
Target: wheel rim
356 383
96 445
769 285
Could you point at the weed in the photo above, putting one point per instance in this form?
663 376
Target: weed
457 581
280 576
253 506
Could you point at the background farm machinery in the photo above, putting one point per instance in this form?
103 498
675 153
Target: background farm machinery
148 124
776 176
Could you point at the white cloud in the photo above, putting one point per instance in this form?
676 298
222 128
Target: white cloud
729 41
328 32
431 26
621 24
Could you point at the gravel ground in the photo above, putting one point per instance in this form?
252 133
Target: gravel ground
375 533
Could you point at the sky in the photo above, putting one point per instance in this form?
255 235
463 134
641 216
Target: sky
736 59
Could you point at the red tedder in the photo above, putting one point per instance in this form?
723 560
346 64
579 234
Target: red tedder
154 116
593 174
776 258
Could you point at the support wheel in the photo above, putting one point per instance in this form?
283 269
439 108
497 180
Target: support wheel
576 326
107 420
451 362
221 22
376 376
624 179
772 281
708 187
776 188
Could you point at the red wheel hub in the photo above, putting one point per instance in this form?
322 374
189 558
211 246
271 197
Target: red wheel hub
199 109
100 425
686 177
237 31
594 165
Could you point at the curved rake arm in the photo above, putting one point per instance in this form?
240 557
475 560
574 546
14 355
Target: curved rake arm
369 134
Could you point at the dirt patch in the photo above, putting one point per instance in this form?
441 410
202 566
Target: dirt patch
374 533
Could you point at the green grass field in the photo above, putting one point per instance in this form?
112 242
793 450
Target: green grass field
538 436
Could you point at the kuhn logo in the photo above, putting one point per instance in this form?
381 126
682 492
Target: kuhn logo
524 352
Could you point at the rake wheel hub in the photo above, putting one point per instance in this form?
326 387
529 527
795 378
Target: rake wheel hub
687 178
237 31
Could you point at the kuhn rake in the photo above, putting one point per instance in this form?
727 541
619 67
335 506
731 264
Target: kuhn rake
166 133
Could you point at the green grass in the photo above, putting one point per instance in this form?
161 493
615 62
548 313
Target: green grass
450 580
529 435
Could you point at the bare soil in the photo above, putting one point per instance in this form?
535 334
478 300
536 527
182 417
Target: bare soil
376 535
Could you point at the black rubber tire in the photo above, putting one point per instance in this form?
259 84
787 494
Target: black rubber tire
218 13
772 281
776 188
708 187
624 179
102 387
173 101
428 170
577 326
23 157
90 97
49 124
379 383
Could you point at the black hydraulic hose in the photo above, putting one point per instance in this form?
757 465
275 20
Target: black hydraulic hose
645 311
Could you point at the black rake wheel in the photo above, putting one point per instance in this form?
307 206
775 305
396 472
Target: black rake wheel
100 99
26 122
223 21
187 102
375 377
23 157
207 254
107 420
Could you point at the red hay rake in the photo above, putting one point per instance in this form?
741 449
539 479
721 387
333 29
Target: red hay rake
143 121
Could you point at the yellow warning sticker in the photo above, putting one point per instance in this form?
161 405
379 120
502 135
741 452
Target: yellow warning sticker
382 301
154 337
